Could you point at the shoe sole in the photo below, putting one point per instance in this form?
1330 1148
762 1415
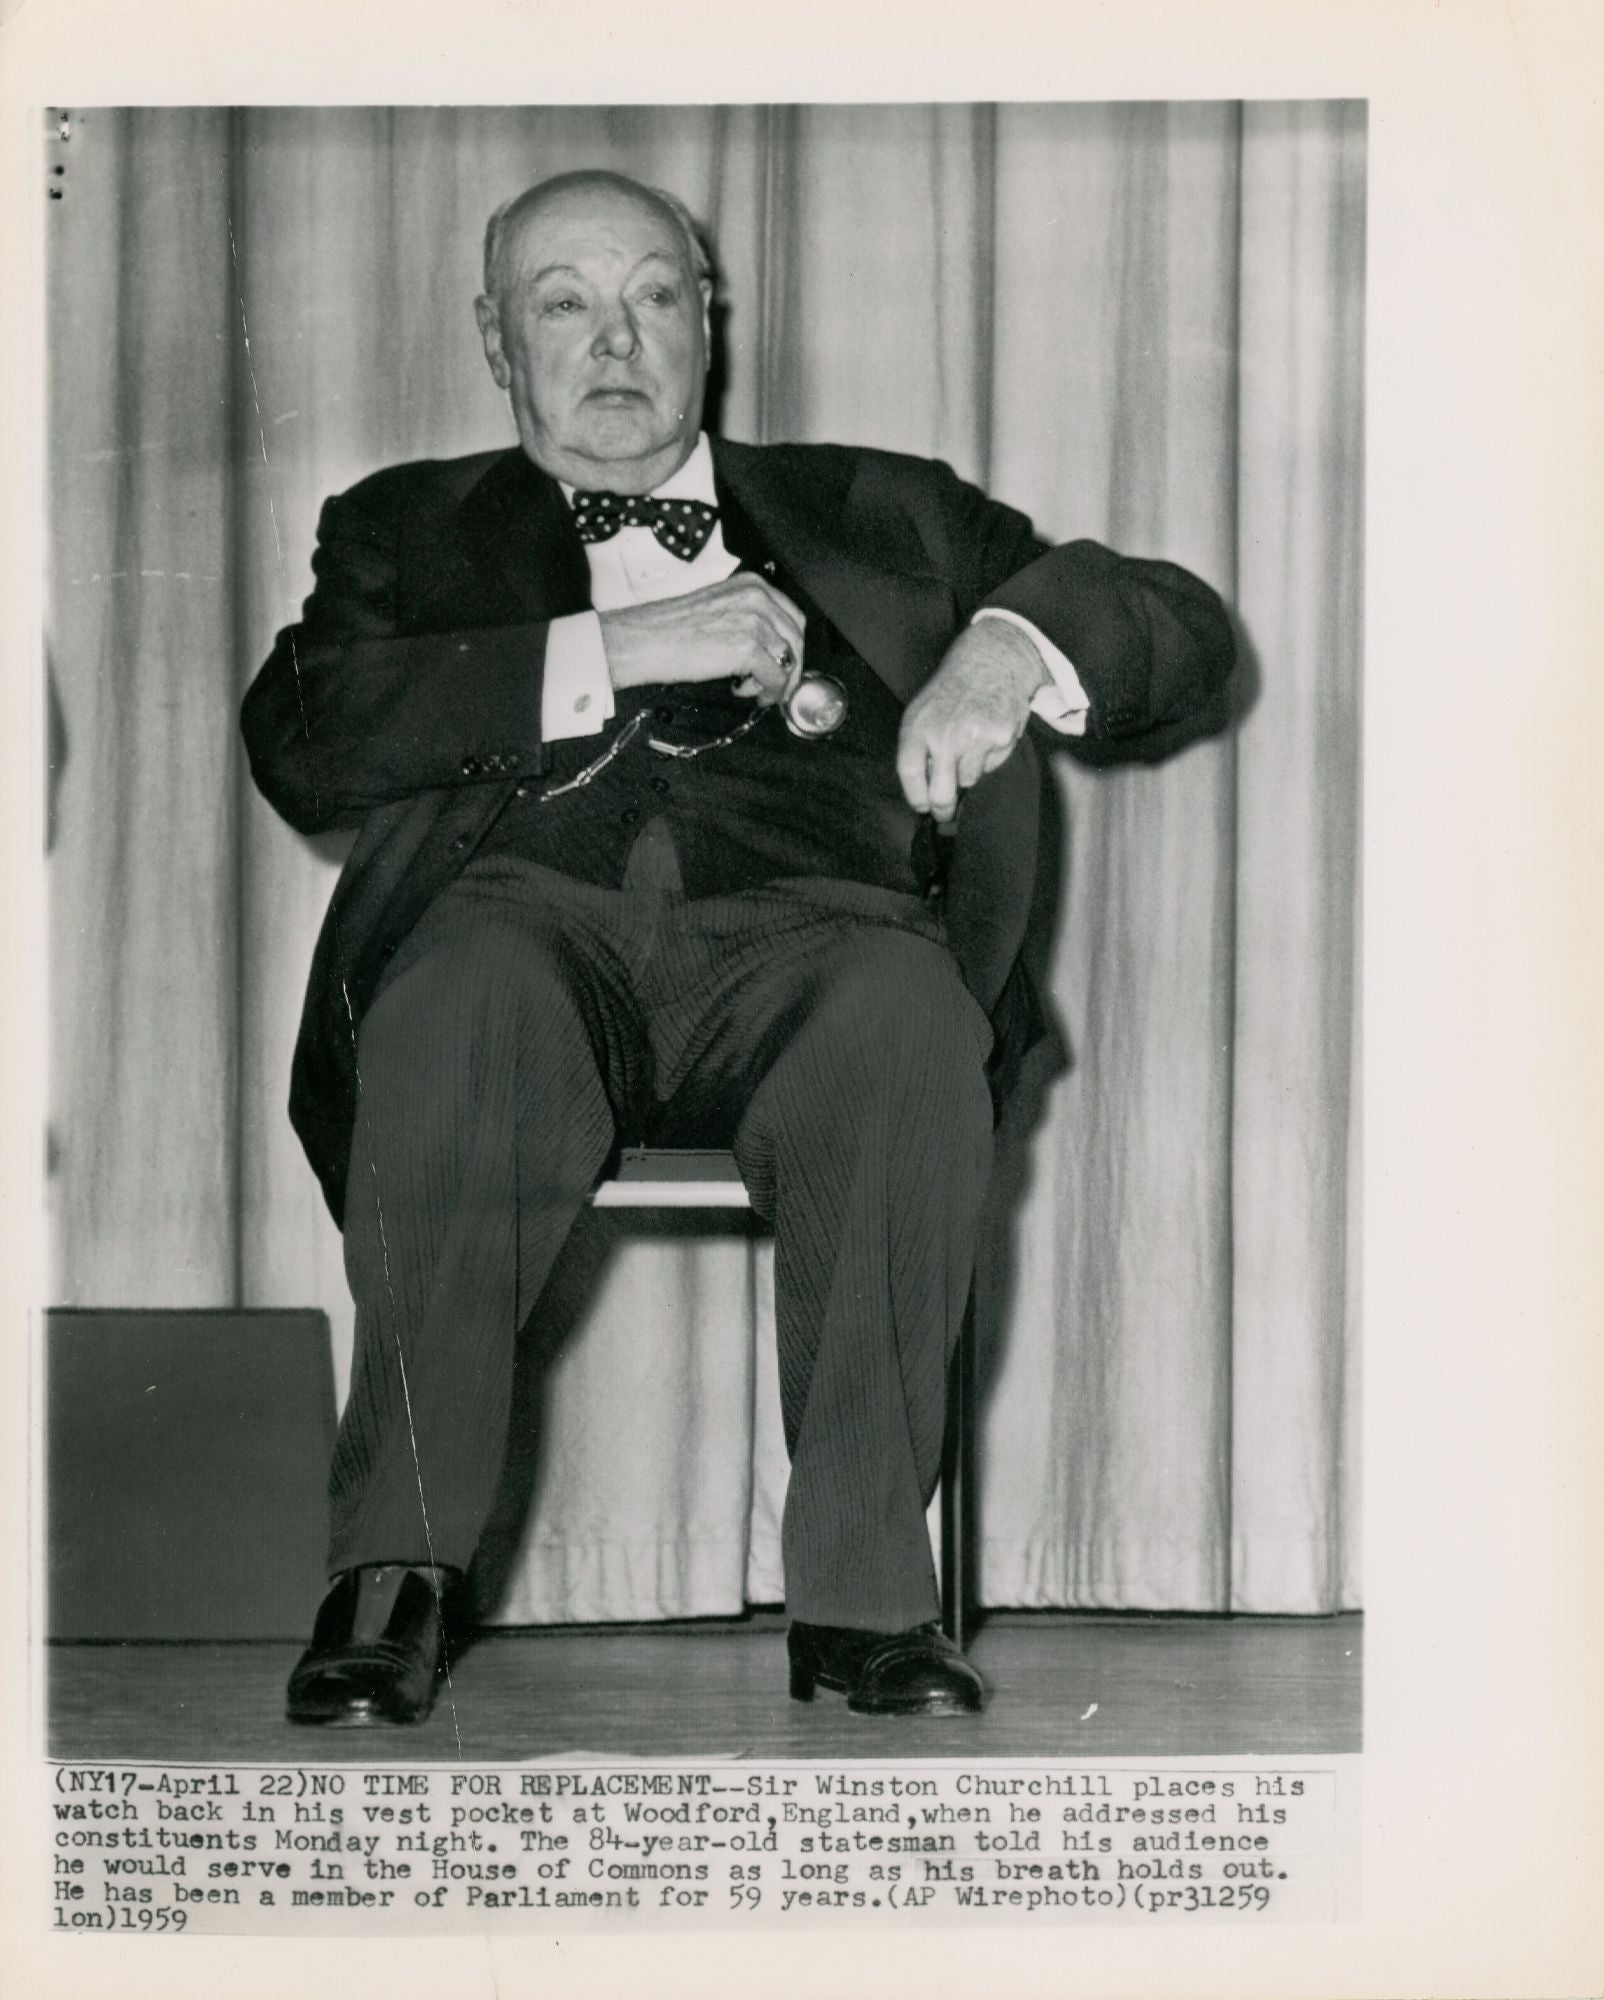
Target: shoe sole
804 1685
369 1719
356 1715
938 1704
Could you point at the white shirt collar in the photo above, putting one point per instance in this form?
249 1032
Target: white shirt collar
693 481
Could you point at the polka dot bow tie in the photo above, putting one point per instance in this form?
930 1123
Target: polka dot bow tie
682 526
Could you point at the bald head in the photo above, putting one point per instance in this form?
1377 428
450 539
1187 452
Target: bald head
595 320
503 228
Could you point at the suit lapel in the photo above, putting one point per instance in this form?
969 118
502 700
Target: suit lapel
898 622
517 532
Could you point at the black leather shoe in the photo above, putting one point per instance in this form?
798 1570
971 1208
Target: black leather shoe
917 1672
379 1648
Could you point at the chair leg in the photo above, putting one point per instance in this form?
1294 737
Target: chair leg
958 1552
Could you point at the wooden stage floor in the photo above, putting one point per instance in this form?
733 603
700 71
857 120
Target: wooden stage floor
1063 1685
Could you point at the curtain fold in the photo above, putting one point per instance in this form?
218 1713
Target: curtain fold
1137 322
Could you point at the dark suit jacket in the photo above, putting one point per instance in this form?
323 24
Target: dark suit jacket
407 700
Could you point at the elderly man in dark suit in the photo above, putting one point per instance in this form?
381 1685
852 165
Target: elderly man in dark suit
648 740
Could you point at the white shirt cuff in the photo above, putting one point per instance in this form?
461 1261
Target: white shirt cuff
1064 704
576 695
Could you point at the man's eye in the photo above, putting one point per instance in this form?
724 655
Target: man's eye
558 308
660 295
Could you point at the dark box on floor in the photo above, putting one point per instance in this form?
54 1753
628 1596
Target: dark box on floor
187 1460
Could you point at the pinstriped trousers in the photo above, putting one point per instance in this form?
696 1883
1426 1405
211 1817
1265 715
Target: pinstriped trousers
530 1021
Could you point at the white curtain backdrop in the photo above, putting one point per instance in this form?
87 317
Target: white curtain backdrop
1138 322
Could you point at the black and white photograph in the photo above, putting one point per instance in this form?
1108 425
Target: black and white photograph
773 943
736 1234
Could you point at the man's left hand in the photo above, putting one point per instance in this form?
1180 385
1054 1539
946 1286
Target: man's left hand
968 716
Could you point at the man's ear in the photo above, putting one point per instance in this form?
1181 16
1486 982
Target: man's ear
485 312
705 287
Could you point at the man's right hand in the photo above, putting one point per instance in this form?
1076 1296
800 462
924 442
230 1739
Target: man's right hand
742 630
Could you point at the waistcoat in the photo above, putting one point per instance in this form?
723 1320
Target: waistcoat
768 807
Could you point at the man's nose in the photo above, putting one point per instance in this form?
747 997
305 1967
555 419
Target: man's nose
616 337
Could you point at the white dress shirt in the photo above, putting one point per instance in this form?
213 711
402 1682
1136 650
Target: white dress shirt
633 567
